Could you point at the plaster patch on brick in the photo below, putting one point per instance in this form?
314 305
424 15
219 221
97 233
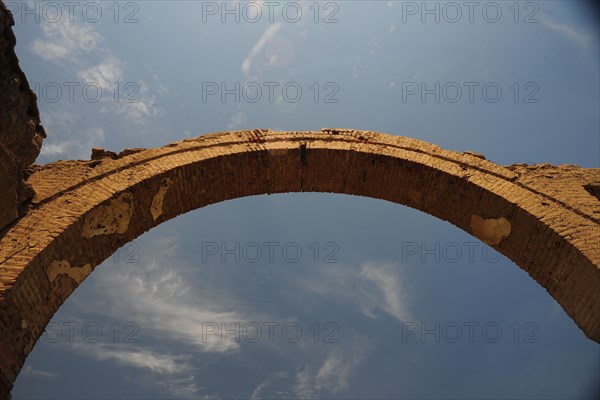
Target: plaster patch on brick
491 230
157 202
111 218
63 267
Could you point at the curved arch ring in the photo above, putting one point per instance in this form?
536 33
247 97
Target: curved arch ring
544 218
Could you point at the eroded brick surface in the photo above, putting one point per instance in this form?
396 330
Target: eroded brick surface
21 134
544 218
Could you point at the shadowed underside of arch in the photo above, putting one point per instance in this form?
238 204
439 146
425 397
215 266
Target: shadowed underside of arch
544 218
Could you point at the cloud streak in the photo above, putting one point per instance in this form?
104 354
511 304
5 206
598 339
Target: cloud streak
581 39
370 287
267 35
69 139
172 371
160 363
65 41
335 373
386 278
166 307
71 43
29 370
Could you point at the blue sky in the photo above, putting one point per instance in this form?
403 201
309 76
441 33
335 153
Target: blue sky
361 278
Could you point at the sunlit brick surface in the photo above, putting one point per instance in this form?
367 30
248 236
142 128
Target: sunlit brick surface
543 217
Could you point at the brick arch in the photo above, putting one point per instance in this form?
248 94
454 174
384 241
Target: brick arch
85 210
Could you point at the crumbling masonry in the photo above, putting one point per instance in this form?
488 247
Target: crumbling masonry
59 221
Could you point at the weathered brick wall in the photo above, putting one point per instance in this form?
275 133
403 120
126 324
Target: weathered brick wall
545 218
21 134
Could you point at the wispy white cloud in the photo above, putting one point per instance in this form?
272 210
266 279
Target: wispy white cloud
582 39
171 309
171 371
386 277
267 35
279 51
355 72
162 88
266 383
236 120
65 40
158 297
69 139
170 312
374 44
130 98
29 370
160 363
369 288
104 74
68 43
334 374
139 104
56 149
